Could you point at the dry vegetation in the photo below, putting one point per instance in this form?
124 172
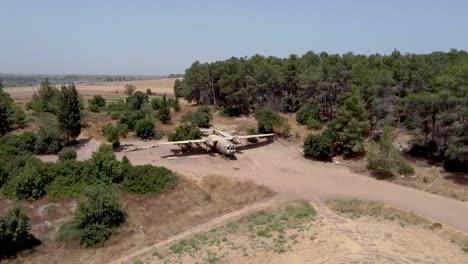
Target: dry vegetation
106 89
150 219
294 232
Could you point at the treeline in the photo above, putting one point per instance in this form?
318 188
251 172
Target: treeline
425 93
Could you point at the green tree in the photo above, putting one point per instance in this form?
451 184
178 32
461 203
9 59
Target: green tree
146 179
145 129
164 113
268 120
185 132
15 236
6 112
48 141
137 100
320 147
352 126
130 118
67 154
97 217
69 115
46 99
201 118
114 133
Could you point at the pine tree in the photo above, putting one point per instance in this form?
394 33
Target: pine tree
164 111
69 115
352 126
5 111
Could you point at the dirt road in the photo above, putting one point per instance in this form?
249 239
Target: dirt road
284 169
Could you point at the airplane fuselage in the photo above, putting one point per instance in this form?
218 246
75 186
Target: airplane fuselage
223 145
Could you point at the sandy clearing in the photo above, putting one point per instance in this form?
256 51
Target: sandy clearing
283 168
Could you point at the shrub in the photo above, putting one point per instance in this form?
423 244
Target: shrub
69 181
156 103
164 113
67 154
103 166
96 103
252 131
137 100
185 132
114 133
94 235
319 147
32 181
98 216
129 118
313 123
18 116
145 129
201 118
48 141
129 89
115 116
146 179
119 106
268 120
384 160
307 112
149 92
15 235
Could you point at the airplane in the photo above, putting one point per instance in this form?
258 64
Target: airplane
221 141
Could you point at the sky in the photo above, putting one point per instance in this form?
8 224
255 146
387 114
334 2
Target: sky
161 37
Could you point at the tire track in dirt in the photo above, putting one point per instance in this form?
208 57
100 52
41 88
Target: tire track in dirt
201 228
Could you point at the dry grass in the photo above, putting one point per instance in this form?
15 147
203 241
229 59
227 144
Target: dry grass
354 208
153 218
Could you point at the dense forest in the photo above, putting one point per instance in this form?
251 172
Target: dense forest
425 94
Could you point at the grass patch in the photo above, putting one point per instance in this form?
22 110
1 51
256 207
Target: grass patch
354 208
276 230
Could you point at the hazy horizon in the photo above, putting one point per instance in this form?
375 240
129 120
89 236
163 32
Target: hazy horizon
159 38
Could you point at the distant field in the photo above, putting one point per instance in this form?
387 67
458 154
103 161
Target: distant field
108 89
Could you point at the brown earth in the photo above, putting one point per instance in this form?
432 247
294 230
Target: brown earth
328 237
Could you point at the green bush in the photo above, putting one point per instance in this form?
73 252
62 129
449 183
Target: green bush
103 166
15 235
18 116
145 129
70 180
185 132
320 147
115 116
117 106
98 216
164 113
252 131
313 123
146 179
307 112
67 154
137 100
96 103
201 118
156 103
403 167
268 121
114 133
32 181
94 235
384 160
48 141
130 118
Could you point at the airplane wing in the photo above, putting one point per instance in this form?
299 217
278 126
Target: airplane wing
183 142
255 136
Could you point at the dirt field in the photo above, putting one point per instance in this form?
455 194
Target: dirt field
297 233
106 89
151 218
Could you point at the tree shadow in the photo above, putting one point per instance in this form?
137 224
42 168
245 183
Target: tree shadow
456 177
253 146
9 250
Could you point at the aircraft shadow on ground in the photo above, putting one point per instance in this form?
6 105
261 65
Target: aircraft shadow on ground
198 151
240 149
